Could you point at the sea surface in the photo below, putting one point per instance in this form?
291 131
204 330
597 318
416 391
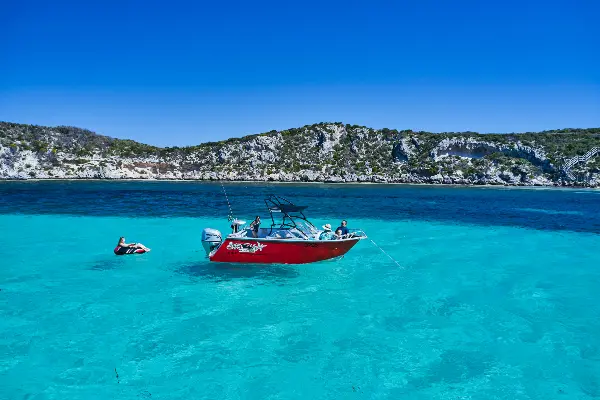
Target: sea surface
495 295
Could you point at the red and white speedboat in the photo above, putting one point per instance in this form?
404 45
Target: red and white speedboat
291 239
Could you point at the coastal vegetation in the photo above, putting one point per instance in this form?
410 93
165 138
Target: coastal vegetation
323 152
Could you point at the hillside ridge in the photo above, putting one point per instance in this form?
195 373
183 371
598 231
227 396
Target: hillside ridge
323 152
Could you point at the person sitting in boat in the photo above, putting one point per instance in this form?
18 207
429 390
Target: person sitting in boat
129 248
255 225
327 234
339 234
344 228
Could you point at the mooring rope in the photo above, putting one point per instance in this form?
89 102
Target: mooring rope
230 217
383 251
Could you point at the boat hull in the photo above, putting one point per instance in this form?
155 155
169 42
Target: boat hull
257 251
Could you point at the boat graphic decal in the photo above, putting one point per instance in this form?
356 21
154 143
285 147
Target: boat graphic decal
246 247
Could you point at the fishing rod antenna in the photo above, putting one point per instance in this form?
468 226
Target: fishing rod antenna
230 217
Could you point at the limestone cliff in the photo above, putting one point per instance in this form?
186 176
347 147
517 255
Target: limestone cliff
325 152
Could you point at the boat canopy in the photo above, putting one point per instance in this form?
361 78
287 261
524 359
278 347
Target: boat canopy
285 208
292 216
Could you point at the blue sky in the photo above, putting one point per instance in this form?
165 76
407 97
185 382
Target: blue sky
176 73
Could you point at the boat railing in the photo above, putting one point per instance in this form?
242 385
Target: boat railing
356 233
352 234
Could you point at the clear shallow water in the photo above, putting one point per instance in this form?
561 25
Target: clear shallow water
497 296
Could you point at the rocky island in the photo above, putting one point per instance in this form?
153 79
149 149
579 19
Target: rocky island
324 152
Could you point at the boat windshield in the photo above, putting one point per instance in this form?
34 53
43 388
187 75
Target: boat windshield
306 228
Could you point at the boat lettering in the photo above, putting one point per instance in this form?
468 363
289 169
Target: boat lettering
246 247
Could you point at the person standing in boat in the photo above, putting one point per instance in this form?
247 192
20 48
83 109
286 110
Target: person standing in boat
255 225
344 228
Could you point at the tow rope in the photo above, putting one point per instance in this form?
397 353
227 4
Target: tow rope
383 251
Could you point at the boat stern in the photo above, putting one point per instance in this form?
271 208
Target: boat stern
211 239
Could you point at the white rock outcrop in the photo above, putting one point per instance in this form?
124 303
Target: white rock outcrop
316 153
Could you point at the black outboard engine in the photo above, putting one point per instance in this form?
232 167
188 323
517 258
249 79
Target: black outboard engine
211 239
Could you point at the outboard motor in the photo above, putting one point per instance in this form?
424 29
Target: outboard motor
211 239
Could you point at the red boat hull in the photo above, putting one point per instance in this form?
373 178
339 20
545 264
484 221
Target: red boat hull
265 251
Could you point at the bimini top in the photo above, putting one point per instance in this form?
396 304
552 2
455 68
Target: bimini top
279 204
292 216
285 208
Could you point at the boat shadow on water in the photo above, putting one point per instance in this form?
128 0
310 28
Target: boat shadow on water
105 264
112 262
231 271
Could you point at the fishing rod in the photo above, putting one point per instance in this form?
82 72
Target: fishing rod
230 217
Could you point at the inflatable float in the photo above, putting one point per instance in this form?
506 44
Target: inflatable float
121 251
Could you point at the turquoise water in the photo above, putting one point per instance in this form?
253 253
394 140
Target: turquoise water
496 296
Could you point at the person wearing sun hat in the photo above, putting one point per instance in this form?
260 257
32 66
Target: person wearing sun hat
327 234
